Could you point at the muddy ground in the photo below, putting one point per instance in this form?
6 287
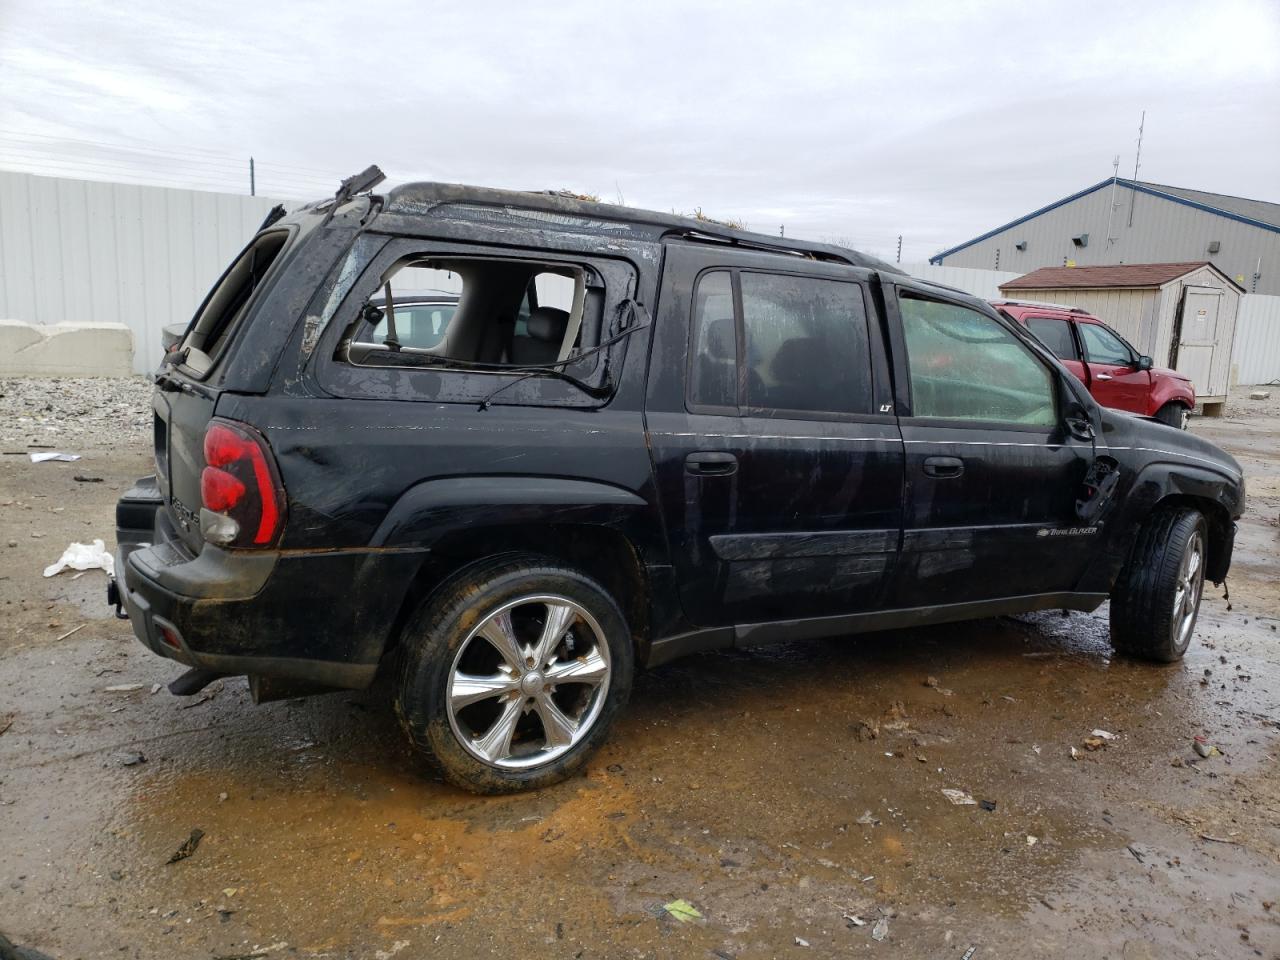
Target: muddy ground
782 792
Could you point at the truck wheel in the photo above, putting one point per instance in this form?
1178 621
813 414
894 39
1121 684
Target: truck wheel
1174 414
513 673
1155 601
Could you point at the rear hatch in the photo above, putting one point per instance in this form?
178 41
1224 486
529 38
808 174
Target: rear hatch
188 386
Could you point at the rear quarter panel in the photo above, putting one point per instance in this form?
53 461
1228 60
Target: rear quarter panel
347 464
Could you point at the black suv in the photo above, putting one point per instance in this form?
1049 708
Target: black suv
642 436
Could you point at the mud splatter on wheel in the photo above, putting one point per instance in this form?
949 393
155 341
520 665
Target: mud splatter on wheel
513 673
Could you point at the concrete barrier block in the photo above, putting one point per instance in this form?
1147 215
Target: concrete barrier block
16 336
65 349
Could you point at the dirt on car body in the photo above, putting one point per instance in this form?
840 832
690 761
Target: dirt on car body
629 437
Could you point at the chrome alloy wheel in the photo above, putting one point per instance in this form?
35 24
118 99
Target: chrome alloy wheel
1186 596
528 682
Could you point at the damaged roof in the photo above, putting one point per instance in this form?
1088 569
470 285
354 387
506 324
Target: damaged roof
556 209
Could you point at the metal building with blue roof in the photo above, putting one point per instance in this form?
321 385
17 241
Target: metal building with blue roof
1121 221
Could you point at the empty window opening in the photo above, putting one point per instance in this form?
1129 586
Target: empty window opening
229 300
422 321
486 313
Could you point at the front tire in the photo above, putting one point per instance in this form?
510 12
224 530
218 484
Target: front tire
513 673
1157 597
1174 414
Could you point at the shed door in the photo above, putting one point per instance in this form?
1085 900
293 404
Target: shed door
1198 338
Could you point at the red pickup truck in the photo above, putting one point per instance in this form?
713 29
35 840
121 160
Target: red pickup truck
1105 362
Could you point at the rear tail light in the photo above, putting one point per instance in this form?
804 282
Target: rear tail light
240 488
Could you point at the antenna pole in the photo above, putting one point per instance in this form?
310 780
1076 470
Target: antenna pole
253 186
1136 158
899 260
1111 210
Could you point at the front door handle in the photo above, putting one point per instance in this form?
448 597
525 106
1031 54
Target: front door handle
711 463
1103 376
943 467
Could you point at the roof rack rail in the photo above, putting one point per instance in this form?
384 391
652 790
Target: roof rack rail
702 237
1042 303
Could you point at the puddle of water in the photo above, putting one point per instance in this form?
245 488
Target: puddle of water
735 780
738 773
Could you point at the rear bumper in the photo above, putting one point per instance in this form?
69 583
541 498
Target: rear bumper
318 617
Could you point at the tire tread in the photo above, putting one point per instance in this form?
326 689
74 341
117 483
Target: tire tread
1141 620
1171 413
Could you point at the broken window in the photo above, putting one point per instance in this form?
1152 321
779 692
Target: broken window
226 304
479 313
421 322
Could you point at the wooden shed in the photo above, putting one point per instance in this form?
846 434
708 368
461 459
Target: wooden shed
1182 315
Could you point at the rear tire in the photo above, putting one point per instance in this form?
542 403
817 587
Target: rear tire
1156 600
1174 414
513 672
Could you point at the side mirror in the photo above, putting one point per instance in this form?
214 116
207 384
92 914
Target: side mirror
1144 363
1076 419
172 335
171 338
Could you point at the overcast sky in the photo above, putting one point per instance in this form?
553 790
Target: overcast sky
855 122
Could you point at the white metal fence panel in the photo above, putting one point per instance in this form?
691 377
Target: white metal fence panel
1257 346
76 250
979 283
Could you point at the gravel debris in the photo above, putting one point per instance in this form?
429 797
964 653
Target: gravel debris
73 413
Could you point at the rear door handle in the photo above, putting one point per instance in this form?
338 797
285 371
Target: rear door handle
711 463
943 467
1104 376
